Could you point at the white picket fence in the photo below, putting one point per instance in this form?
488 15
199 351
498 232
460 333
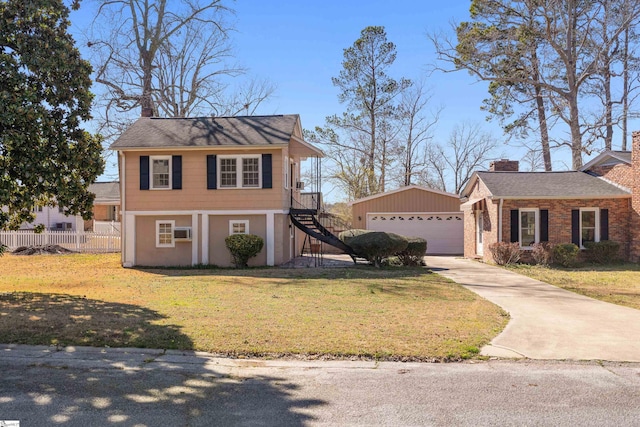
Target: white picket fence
79 241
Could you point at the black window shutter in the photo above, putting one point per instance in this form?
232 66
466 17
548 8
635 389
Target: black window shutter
544 225
144 172
266 171
604 224
212 175
176 172
515 224
575 227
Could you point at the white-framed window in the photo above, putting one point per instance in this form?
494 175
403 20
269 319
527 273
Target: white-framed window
160 172
36 209
286 172
239 171
239 226
164 233
589 225
529 227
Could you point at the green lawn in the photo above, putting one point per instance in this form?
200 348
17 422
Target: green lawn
617 284
389 314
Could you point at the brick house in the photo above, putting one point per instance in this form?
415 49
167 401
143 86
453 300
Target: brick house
601 201
188 183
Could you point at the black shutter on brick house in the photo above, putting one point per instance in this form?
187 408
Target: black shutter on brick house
514 226
544 225
144 172
176 172
604 224
212 175
575 227
267 181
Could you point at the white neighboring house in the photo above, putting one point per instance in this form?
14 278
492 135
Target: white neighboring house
54 218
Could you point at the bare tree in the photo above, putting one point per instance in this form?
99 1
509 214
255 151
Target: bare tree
567 46
416 130
467 150
169 58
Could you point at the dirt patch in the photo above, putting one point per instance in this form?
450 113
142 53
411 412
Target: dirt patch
42 250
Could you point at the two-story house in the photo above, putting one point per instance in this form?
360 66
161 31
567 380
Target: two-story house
188 183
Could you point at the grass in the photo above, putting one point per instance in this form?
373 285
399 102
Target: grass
617 284
389 314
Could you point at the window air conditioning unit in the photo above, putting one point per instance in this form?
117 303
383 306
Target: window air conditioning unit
182 233
299 185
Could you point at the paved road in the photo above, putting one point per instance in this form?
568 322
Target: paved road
547 322
133 387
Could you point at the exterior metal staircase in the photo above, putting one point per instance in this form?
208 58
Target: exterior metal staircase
307 221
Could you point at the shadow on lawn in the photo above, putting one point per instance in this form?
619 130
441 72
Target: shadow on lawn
61 319
355 272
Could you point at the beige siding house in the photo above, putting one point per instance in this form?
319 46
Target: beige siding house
188 183
414 211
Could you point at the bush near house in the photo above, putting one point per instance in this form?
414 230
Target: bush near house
603 252
243 247
377 245
504 253
414 254
566 254
542 253
347 235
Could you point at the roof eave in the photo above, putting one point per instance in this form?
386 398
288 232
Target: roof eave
200 148
584 197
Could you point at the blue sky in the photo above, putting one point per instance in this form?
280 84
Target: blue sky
298 45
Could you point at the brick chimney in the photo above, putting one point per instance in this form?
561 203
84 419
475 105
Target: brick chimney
146 112
504 165
635 197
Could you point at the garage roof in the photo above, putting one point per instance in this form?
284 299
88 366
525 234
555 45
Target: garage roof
401 189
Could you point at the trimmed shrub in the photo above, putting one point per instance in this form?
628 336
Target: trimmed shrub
3 249
347 235
542 253
604 252
377 245
504 253
414 253
566 254
243 247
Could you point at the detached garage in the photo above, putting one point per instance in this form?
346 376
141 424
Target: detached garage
416 212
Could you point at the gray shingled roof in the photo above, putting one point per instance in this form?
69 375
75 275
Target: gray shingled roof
528 185
105 191
155 132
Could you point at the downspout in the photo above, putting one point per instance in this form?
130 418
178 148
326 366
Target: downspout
123 222
500 220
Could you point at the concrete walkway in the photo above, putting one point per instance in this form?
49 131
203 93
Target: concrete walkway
547 322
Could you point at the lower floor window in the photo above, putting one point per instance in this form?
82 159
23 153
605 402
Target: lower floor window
528 227
164 234
239 227
589 230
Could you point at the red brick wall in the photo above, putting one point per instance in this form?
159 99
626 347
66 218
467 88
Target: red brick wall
560 218
635 199
504 165
621 174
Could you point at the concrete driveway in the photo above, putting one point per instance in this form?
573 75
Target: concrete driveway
547 322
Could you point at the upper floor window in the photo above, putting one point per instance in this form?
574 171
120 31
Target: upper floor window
160 172
239 171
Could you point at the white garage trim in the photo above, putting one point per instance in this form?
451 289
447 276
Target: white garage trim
444 231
